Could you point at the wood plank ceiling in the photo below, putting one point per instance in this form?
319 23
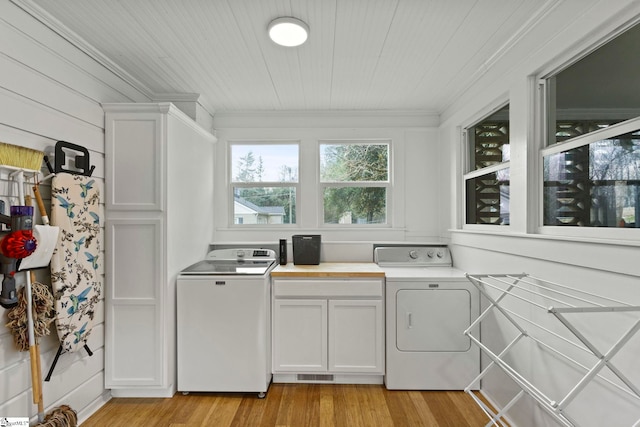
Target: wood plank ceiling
361 54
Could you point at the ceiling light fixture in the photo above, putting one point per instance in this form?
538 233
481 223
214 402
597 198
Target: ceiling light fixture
288 31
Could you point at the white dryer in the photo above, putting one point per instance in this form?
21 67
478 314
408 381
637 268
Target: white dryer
429 305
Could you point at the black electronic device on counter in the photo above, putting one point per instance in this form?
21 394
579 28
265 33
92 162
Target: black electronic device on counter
283 251
306 249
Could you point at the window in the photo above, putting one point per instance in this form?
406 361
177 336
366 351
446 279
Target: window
591 165
264 180
355 182
594 184
594 93
487 182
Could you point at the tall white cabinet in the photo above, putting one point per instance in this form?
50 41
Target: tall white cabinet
159 220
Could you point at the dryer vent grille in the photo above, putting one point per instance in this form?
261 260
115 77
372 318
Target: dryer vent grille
314 377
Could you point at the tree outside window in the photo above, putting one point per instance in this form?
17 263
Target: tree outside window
355 180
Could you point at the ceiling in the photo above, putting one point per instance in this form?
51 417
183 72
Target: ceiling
361 54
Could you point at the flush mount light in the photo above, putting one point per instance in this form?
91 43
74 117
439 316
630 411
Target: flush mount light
288 31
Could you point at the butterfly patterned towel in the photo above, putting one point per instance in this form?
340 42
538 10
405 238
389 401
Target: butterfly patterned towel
76 265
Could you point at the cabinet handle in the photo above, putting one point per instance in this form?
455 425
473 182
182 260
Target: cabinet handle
409 320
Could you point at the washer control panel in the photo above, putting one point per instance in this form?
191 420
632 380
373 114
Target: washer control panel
416 255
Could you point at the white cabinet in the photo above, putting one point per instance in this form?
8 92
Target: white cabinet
355 343
328 330
156 225
300 335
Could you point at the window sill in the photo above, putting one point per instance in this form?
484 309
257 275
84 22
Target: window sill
615 255
557 235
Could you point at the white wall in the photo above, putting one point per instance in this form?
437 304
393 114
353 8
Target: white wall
600 404
51 91
414 215
601 265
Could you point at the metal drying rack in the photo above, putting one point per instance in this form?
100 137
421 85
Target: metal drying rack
565 300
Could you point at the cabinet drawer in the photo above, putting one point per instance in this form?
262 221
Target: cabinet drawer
328 288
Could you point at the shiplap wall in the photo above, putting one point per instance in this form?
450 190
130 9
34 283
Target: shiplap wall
51 91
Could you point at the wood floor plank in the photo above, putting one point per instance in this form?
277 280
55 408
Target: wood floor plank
427 416
446 413
297 405
305 408
404 411
344 407
375 404
327 406
267 408
222 412
473 414
181 410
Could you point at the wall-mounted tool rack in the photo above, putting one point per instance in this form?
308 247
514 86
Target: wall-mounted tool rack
569 306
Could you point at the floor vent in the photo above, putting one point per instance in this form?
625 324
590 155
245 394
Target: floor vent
314 377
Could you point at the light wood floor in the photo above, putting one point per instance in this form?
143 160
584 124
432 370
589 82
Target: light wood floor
297 405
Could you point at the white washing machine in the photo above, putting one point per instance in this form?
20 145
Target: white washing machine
224 322
429 305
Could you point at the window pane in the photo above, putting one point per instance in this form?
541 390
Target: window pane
264 163
355 205
489 140
264 205
488 199
594 92
596 185
354 162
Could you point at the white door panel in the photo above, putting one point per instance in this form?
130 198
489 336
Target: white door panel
432 319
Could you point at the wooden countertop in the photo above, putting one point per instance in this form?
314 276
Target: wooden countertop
329 269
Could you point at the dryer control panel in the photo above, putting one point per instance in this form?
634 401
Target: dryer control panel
413 255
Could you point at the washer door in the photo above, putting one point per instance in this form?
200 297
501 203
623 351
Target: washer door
433 319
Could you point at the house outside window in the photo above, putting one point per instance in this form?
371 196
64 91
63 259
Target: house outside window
355 182
591 162
487 190
264 183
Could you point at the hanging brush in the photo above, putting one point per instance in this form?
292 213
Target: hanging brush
19 157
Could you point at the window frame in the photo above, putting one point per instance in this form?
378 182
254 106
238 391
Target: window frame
323 185
546 145
309 216
471 173
576 142
231 184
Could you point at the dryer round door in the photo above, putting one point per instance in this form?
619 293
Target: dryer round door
433 320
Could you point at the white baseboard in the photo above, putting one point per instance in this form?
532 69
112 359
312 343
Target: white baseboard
93 407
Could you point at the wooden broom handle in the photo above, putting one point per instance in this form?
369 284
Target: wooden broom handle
34 350
34 356
43 212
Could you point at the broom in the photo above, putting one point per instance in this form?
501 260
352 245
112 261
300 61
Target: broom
20 157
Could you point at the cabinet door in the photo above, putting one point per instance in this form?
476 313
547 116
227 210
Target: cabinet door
135 304
134 158
300 335
356 336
